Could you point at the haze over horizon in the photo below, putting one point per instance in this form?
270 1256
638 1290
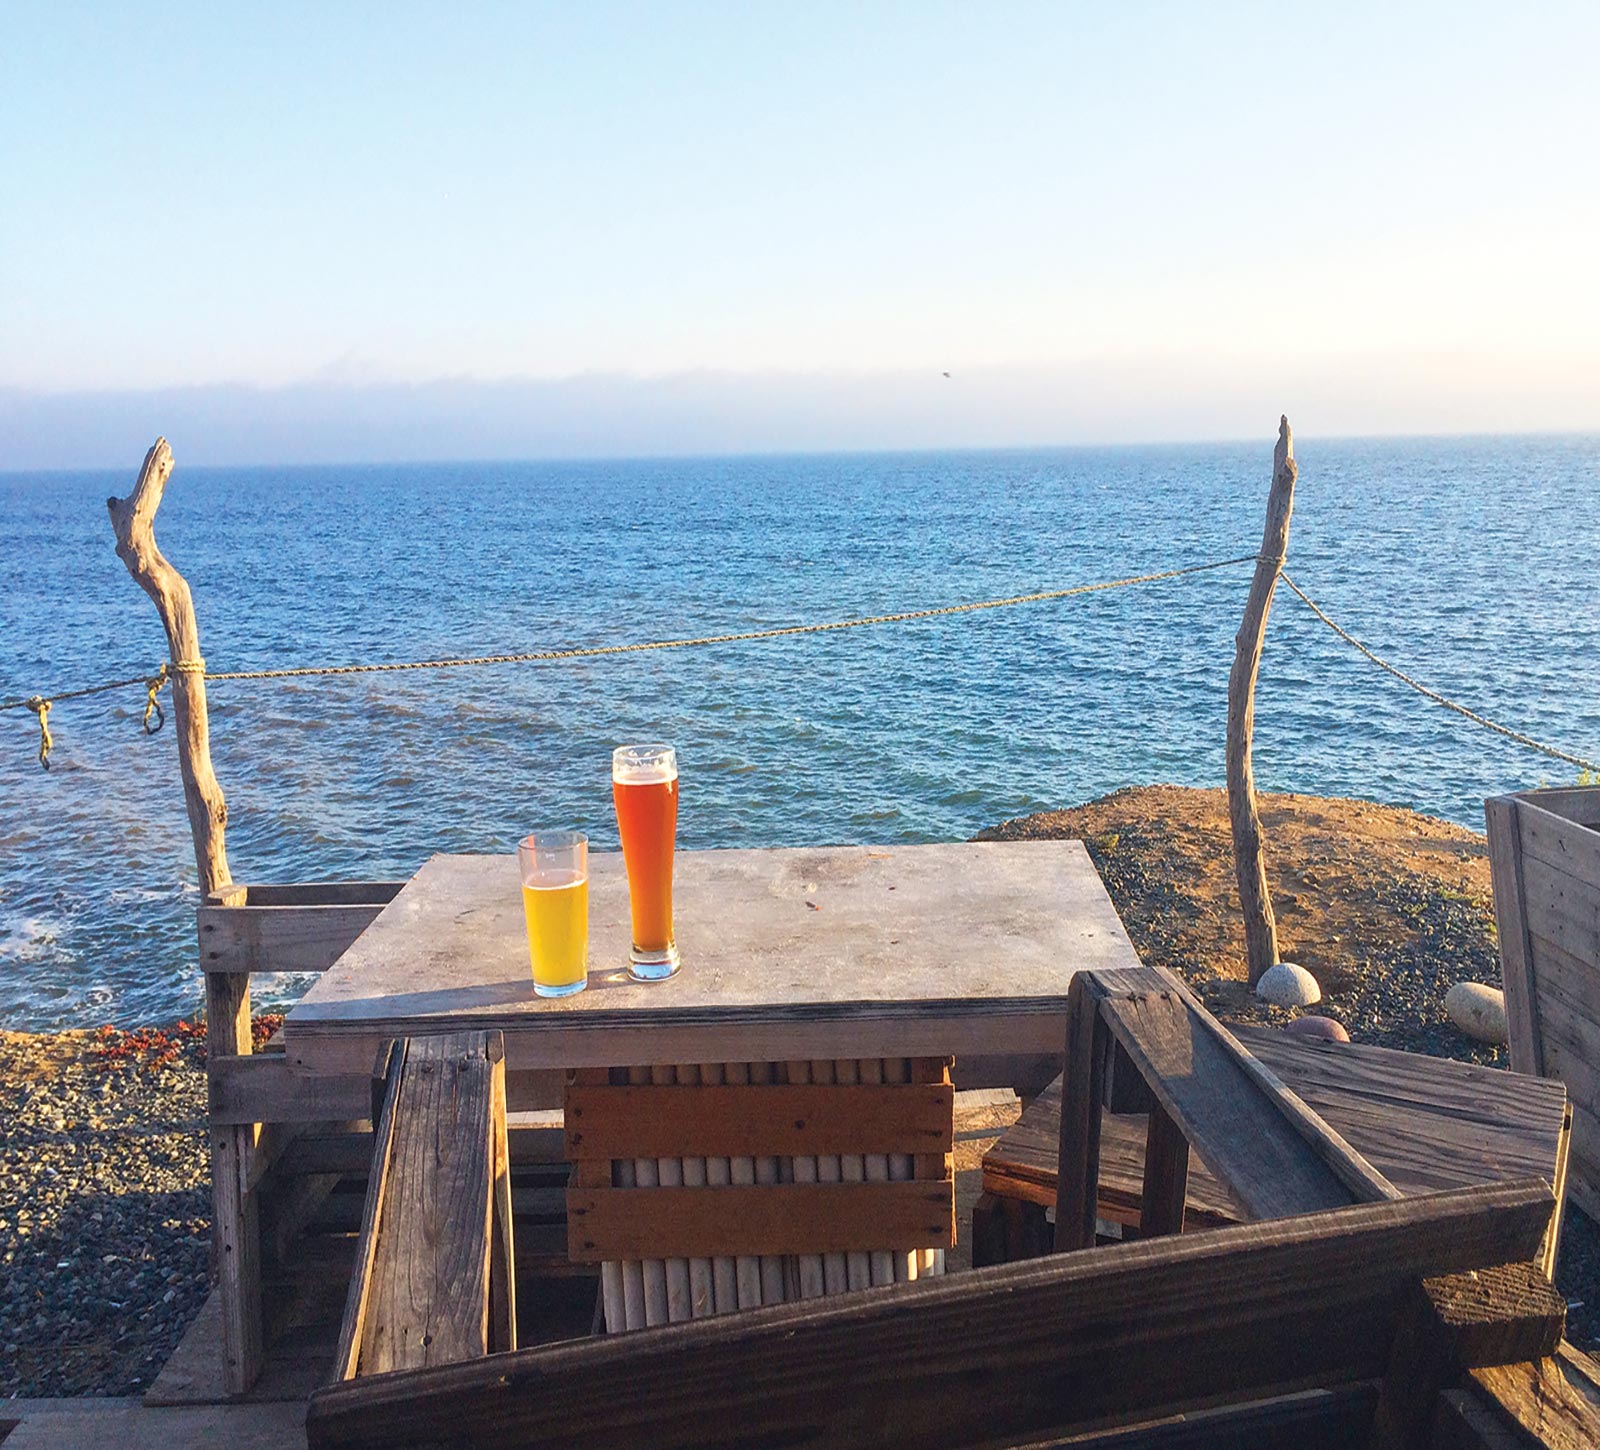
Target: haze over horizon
305 236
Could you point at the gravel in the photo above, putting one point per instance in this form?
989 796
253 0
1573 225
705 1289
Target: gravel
105 1213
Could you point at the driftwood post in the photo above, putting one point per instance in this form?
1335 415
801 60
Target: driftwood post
234 1228
1260 930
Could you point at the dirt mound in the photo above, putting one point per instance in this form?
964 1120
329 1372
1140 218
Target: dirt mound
1386 907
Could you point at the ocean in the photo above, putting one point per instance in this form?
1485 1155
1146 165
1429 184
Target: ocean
1471 563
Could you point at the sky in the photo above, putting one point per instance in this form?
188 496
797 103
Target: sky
317 232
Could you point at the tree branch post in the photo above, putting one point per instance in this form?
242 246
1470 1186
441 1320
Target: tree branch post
235 1231
1260 929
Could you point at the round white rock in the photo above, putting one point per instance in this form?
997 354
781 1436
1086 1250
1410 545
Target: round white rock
1478 1010
1287 985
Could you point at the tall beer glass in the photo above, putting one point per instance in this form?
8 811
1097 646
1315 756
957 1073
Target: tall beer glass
555 901
644 785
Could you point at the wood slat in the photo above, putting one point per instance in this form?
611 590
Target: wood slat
422 1293
1273 1155
352 1328
308 893
1578 803
291 928
1559 843
786 1218
1069 1340
350 1153
1511 931
265 1087
1307 1420
1495 1315
676 1121
1563 910
1556 1400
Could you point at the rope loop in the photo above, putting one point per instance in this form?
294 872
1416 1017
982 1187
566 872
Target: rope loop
41 707
152 707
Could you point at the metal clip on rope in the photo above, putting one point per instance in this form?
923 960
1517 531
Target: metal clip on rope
41 707
152 707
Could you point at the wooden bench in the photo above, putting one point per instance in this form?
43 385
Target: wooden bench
1425 1123
1283 1328
433 1281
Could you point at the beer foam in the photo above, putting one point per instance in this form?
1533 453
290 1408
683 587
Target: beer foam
644 764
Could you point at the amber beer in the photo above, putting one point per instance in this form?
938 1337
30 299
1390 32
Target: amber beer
644 785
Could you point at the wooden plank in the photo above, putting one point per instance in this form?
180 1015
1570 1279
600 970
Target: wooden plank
1464 1421
933 1165
1511 931
622 1121
267 1088
299 927
1307 1420
926 1030
235 1219
1256 1140
1166 1176
429 1301
1079 1112
1556 842
352 1328
1119 1333
502 1233
1579 803
1563 910
784 1218
1555 1399
307 893
1551 1251
1495 1315
1565 982
350 1153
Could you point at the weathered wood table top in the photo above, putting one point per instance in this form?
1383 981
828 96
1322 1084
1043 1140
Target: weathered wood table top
810 953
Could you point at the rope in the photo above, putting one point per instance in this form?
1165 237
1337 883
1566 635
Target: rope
591 651
1434 695
40 705
154 684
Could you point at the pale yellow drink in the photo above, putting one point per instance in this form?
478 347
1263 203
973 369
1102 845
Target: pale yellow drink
554 866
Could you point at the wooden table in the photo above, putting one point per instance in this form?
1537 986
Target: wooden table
828 952
798 1065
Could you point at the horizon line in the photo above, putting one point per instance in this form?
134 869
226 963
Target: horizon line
1267 440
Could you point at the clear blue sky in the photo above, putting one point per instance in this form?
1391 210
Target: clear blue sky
1103 220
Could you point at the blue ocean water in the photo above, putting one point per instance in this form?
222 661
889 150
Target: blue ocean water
1470 562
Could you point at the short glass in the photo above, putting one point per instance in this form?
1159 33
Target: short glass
644 785
555 900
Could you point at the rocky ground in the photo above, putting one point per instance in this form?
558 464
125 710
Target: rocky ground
104 1208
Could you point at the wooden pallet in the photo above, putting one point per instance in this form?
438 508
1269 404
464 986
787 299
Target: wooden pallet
707 1188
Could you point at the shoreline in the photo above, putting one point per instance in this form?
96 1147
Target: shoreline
104 1196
